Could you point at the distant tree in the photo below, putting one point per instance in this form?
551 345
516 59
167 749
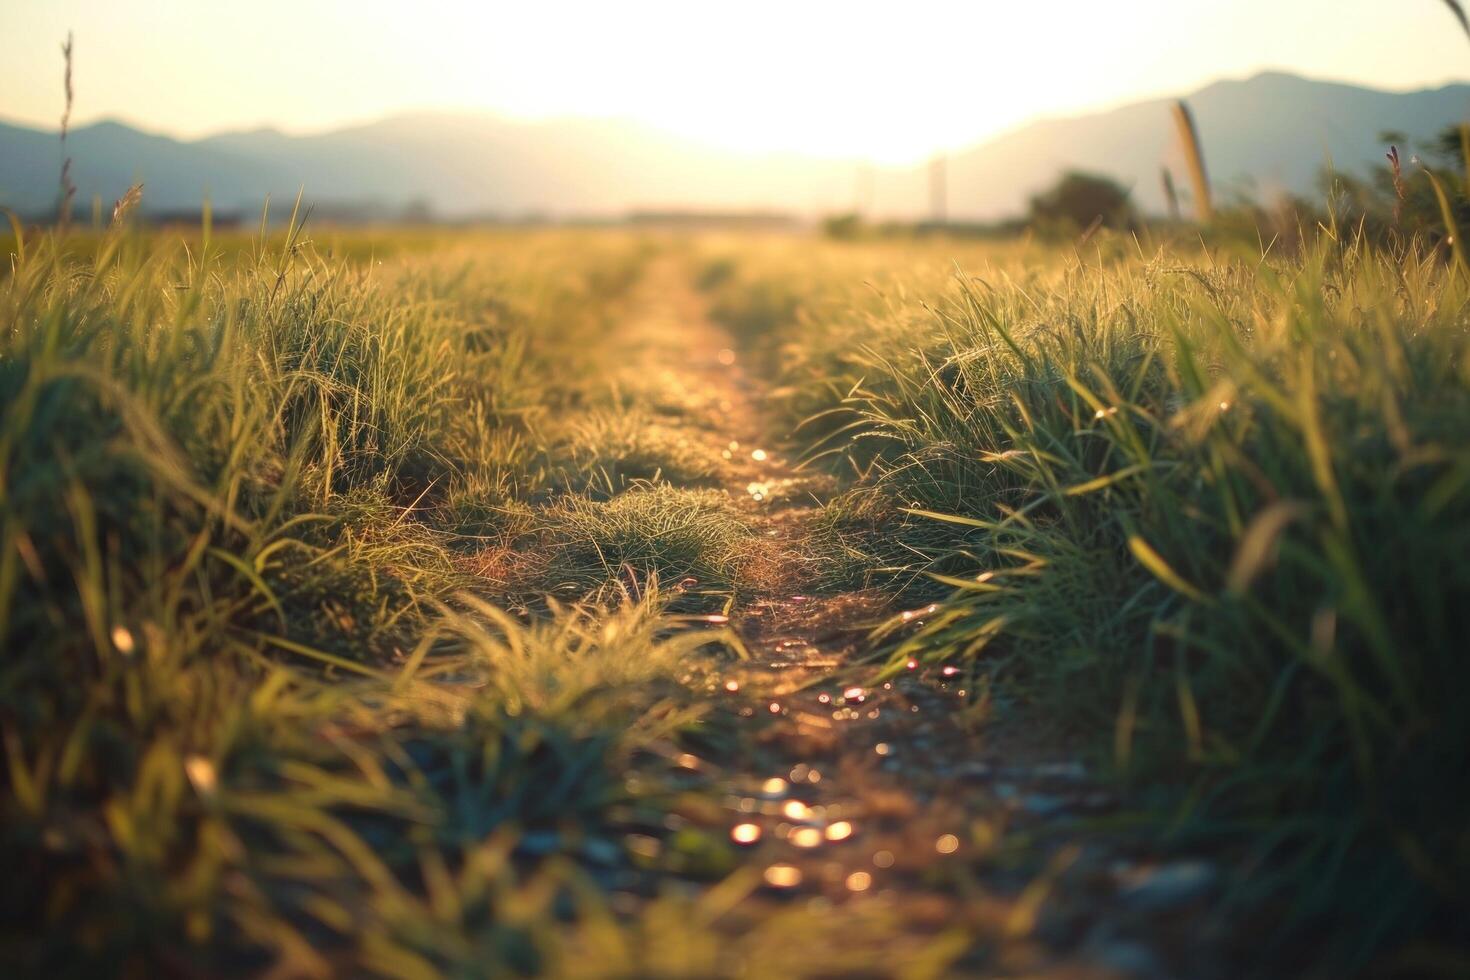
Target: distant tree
419 211
1082 200
844 227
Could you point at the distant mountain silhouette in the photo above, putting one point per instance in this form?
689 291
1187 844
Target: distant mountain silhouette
1271 132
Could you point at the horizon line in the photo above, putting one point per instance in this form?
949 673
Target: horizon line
485 112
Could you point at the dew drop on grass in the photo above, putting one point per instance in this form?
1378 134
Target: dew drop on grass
806 837
796 810
745 833
201 773
783 876
122 638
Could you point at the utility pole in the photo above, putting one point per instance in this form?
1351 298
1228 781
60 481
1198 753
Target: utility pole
863 189
938 191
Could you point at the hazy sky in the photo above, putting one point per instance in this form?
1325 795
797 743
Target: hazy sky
891 81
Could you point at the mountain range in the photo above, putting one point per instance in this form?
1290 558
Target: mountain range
1271 132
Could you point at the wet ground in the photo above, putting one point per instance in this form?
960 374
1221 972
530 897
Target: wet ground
998 852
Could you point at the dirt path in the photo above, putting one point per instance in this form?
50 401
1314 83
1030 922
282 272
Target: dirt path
893 796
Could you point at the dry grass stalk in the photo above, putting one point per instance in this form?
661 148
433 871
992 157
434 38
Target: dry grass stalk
1400 191
1194 159
1459 13
68 190
126 203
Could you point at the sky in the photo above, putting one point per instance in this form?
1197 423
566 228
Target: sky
891 82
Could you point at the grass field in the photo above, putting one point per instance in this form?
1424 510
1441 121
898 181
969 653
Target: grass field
421 604
1209 510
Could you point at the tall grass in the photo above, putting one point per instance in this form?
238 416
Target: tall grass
1210 513
251 713
264 504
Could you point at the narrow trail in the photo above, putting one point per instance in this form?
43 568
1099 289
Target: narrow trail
890 798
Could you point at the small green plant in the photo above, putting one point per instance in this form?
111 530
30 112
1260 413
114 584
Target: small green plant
653 532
